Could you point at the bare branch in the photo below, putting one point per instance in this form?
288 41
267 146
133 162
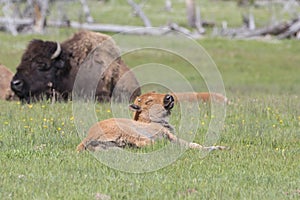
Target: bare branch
140 13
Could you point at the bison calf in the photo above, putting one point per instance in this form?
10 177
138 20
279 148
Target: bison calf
150 123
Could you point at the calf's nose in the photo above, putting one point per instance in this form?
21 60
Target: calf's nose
17 85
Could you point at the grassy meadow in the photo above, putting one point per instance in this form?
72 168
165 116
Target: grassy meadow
38 158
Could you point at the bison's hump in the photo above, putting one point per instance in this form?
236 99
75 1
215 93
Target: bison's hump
82 43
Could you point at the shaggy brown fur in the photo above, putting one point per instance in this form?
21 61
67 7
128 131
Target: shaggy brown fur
151 124
47 66
199 96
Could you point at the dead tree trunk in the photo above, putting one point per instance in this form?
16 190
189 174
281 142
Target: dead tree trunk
249 22
40 12
198 22
168 5
8 13
191 12
86 10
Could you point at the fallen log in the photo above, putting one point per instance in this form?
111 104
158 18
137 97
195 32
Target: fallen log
269 30
264 3
17 21
292 30
135 30
285 29
138 30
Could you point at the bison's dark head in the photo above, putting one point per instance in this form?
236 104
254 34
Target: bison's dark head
36 73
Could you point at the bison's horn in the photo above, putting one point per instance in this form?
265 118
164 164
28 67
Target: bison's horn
57 51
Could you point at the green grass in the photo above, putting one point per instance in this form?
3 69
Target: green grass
38 157
37 142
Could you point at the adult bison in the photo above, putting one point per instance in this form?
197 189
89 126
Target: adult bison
49 68
5 78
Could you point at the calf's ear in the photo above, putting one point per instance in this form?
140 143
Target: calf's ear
134 107
168 102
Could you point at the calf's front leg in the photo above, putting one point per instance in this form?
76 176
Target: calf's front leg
192 145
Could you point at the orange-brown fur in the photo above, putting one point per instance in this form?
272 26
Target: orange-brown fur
156 98
5 77
151 123
145 101
199 96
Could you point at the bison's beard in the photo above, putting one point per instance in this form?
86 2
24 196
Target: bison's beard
32 97
28 98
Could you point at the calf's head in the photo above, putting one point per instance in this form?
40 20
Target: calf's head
38 68
151 107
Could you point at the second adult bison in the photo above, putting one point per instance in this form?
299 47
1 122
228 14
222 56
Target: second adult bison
49 68
5 77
